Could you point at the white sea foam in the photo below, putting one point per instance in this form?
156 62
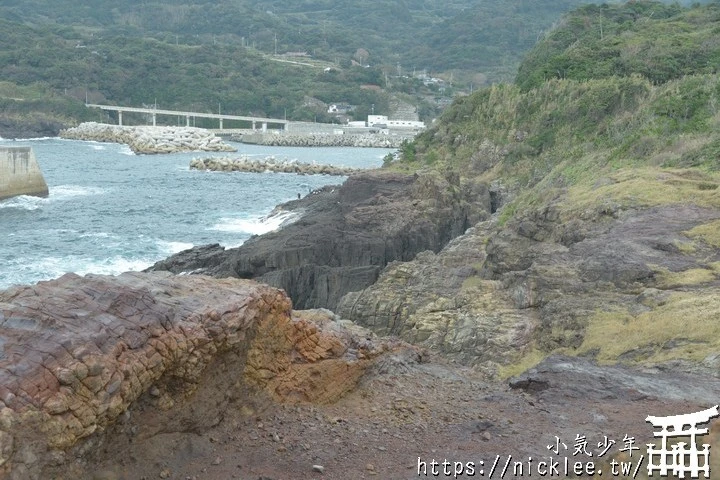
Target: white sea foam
256 225
23 202
170 248
112 265
48 268
60 192
68 191
95 235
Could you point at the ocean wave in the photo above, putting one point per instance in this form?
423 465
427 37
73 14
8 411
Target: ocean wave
256 225
173 247
68 191
47 268
23 202
60 192
34 139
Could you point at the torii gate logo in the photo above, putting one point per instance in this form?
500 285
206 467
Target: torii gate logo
679 460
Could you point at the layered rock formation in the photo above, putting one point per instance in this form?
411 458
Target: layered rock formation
269 164
612 284
347 235
324 140
148 139
80 354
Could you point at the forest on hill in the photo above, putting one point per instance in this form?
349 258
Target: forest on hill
240 57
468 36
587 102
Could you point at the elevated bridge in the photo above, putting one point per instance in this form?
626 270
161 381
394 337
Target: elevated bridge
264 122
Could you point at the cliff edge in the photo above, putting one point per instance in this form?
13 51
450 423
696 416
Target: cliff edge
346 235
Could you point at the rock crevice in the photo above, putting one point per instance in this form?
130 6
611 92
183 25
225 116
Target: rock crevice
347 235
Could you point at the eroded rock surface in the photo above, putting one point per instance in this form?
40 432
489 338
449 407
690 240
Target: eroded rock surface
81 356
502 295
347 235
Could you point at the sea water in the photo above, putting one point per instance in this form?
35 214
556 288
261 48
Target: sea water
111 211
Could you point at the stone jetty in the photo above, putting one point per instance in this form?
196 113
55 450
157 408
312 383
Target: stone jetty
323 140
268 164
150 139
20 173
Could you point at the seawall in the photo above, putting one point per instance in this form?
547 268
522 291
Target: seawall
20 173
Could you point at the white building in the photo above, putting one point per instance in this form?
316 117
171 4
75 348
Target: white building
382 121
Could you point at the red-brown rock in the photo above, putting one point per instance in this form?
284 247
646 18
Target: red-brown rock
77 352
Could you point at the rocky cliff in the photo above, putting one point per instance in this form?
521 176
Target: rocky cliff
604 280
347 235
96 359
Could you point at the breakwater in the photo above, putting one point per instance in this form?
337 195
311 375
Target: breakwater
20 173
268 164
149 139
322 140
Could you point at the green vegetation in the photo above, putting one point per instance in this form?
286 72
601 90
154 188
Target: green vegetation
615 111
230 54
660 42
136 71
657 335
469 37
594 137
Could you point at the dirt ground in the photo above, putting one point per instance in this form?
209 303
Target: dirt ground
397 423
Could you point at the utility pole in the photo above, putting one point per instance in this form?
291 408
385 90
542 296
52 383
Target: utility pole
275 44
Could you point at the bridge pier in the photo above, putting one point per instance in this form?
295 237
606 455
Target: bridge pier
120 117
264 127
221 126
187 120
154 119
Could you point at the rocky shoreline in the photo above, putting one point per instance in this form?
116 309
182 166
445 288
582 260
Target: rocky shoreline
268 164
220 378
322 140
347 235
149 139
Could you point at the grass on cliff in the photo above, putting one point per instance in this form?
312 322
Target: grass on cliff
638 98
659 41
632 120
685 327
709 233
620 141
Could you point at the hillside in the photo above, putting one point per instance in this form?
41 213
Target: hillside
469 36
65 68
606 193
660 42
241 57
